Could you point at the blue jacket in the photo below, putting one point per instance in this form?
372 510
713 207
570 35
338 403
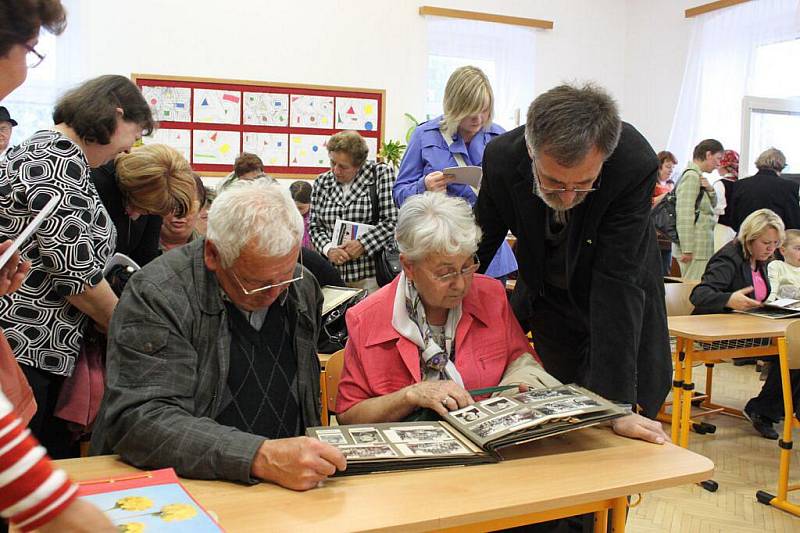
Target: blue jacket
428 152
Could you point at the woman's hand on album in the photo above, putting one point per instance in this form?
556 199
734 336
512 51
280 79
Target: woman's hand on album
441 396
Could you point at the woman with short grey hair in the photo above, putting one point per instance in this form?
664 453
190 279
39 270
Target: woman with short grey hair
438 330
771 159
433 224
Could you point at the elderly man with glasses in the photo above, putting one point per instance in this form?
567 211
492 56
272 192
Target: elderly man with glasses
212 364
574 186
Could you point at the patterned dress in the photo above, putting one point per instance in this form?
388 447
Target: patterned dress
67 252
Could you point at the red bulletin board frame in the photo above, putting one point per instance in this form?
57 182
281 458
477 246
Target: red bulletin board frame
290 89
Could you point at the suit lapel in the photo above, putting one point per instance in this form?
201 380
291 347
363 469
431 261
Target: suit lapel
529 218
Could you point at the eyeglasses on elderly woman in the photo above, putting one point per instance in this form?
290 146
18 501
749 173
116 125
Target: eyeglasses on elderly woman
452 274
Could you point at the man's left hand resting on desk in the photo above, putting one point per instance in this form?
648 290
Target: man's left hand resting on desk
638 427
298 463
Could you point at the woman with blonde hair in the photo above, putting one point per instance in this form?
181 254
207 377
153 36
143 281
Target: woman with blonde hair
455 138
736 279
138 189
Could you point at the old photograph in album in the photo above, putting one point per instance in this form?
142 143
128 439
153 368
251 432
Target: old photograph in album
470 435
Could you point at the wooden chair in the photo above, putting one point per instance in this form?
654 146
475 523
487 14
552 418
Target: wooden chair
789 359
329 385
676 296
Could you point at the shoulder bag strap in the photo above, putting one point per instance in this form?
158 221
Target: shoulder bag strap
373 198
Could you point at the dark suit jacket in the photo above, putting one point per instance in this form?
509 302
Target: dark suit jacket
765 190
727 272
613 272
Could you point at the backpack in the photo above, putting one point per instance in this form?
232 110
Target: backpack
664 214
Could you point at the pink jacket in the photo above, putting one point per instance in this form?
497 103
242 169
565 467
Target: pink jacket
378 361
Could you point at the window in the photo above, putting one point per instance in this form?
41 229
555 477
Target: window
31 105
505 53
768 122
775 73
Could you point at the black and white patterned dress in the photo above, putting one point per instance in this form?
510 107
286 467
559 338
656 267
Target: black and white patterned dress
330 201
67 252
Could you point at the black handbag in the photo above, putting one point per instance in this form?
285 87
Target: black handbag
387 259
664 213
333 333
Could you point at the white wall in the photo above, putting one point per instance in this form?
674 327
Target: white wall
635 48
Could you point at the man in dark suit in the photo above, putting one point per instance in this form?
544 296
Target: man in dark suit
574 186
766 189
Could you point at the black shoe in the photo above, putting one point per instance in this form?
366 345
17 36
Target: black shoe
762 424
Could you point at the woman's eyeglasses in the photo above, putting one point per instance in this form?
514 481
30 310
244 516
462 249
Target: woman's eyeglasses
466 271
33 58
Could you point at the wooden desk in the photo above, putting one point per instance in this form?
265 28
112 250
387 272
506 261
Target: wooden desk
710 328
584 471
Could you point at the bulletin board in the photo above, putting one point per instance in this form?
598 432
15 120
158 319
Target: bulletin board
211 121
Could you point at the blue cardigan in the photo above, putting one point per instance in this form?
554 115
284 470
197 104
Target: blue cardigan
428 152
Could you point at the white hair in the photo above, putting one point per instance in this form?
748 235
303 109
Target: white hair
259 211
432 223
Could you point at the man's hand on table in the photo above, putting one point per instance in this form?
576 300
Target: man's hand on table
298 463
638 427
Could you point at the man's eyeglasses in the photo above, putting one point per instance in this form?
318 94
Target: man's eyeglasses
555 190
33 58
466 271
250 292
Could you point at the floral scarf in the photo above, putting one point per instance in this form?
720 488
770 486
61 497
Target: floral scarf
408 318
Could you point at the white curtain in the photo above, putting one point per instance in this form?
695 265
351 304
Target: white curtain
719 69
505 52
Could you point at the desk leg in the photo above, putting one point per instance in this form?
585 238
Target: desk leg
785 444
788 413
619 514
677 389
323 392
686 393
601 521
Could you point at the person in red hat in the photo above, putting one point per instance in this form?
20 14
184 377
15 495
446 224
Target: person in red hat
728 172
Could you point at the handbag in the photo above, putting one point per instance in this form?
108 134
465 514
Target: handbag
387 259
333 333
664 214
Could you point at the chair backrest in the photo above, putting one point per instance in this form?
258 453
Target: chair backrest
677 298
333 372
793 344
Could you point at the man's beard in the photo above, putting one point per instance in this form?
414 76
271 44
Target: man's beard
554 202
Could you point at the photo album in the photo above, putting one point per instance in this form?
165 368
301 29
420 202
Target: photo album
781 308
470 435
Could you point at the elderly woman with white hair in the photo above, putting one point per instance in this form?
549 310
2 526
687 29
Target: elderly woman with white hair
439 329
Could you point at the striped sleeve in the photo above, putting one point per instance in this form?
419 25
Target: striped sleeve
32 493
